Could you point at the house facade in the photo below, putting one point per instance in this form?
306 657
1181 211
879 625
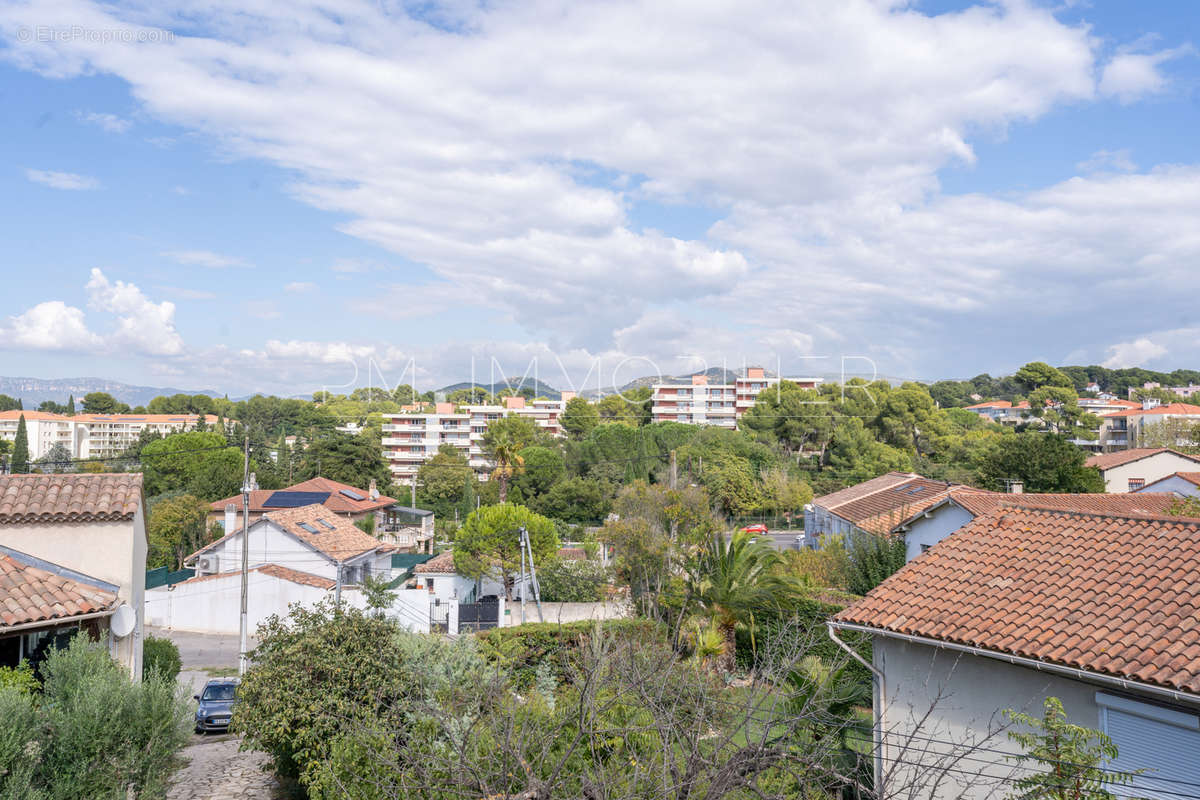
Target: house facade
1179 484
1150 425
86 535
1131 470
1024 604
874 506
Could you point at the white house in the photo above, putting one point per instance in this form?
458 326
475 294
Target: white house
1130 470
875 506
962 504
1180 484
1024 604
75 555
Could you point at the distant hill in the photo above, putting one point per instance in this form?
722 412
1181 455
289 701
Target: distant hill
540 388
32 391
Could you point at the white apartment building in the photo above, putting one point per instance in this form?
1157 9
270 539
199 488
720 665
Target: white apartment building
91 435
413 436
702 403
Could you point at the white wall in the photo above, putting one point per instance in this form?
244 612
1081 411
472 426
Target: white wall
271 545
1151 468
930 530
560 613
1174 484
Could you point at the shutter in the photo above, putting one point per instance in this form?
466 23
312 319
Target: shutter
1166 752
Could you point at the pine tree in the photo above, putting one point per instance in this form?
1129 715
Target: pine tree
71 405
20 454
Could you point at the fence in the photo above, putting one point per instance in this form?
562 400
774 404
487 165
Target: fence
160 576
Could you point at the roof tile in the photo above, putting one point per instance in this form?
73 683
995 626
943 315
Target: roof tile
26 499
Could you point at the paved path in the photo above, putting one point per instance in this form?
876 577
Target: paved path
217 770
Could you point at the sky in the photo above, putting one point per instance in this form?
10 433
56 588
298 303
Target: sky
291 197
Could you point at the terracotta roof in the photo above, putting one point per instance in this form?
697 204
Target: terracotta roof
190 419
878 505
1169 408
32 590
27 499
990 404
32 415
441 564
1141 504
336 502
1109 594
274 570
1103 461
1191 477
336 536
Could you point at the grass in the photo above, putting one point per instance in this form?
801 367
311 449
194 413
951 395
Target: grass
220 672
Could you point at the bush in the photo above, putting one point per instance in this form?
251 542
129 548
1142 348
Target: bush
568 581
93 733
522 648
161 655
20 677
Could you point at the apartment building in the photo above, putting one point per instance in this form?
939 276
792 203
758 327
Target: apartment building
1151 424
413 436
92 435
700 403
1186 392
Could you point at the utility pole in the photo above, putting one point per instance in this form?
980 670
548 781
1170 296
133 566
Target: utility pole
674 472
244 622
337 591
414 491
521 539
533 581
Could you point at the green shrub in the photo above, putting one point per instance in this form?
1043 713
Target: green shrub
22 739
161 655
20 677
521 648
569 581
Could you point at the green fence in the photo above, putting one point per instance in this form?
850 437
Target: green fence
161 576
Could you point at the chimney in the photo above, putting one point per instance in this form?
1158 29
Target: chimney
1016 487
230 517
514 402
699 380
373 490
253 482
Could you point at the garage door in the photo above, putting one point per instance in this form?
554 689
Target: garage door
1163 741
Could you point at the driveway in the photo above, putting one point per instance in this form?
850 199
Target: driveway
204 655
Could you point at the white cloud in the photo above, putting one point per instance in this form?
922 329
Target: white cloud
299 287
1133 354
204 258
142 326
52 325
188 293
62 180
1130 76
106 122
1108 160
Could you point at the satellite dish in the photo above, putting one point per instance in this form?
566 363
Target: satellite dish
122 621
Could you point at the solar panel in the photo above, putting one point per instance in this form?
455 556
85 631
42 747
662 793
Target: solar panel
295 499
353 495
327 524
308 527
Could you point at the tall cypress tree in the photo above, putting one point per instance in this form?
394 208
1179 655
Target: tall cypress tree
20 455
71 405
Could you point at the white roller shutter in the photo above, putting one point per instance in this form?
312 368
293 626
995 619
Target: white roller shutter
1164 742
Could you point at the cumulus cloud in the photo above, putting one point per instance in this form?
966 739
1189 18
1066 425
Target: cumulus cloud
106 122
1108 160
203 258
1130 76
68 181
52 325
142 325
1132 354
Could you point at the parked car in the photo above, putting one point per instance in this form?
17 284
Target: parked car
216 703
759 528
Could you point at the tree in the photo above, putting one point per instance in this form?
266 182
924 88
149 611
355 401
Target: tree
1043 462
1065 761
542 468
71 405
730 482
20 453
355 460
1037 374
9 403
489 542
857 456
103 403
616 408
729 580
576 500
782 493
56 459
177 527
873 559
192 462
579 417
503 442
441 479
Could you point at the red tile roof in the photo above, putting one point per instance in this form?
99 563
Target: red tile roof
878 505
32 499
274 570
336 536
442 563
337 502
990 404
1109 594
30 594
1103 461
32 415
1141 504
1191 477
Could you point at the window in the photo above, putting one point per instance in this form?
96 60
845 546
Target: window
1162 740
1136 483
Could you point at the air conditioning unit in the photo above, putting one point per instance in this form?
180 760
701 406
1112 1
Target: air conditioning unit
207 564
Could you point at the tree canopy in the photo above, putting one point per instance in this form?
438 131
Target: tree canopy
489 542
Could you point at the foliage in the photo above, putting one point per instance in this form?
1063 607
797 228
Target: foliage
103 403
19 463
20 677
564 580
826 567
1037 374
162 656
576 500
872 560
177 527
442 480
503 442
1043 462
541 469
489 542
8 403
94 733
351 459
579 417
198 463
57 458
830 697
519 649
1067 760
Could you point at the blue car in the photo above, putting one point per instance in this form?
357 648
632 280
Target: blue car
216 705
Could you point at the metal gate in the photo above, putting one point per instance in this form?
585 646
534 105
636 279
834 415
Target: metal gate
479 616
439 617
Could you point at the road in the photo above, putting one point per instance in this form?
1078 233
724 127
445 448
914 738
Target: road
784 540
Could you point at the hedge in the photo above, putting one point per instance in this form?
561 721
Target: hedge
524 647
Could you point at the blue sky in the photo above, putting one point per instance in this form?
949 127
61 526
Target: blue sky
284 202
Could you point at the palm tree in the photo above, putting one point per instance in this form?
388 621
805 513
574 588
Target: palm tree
728 580
504 440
